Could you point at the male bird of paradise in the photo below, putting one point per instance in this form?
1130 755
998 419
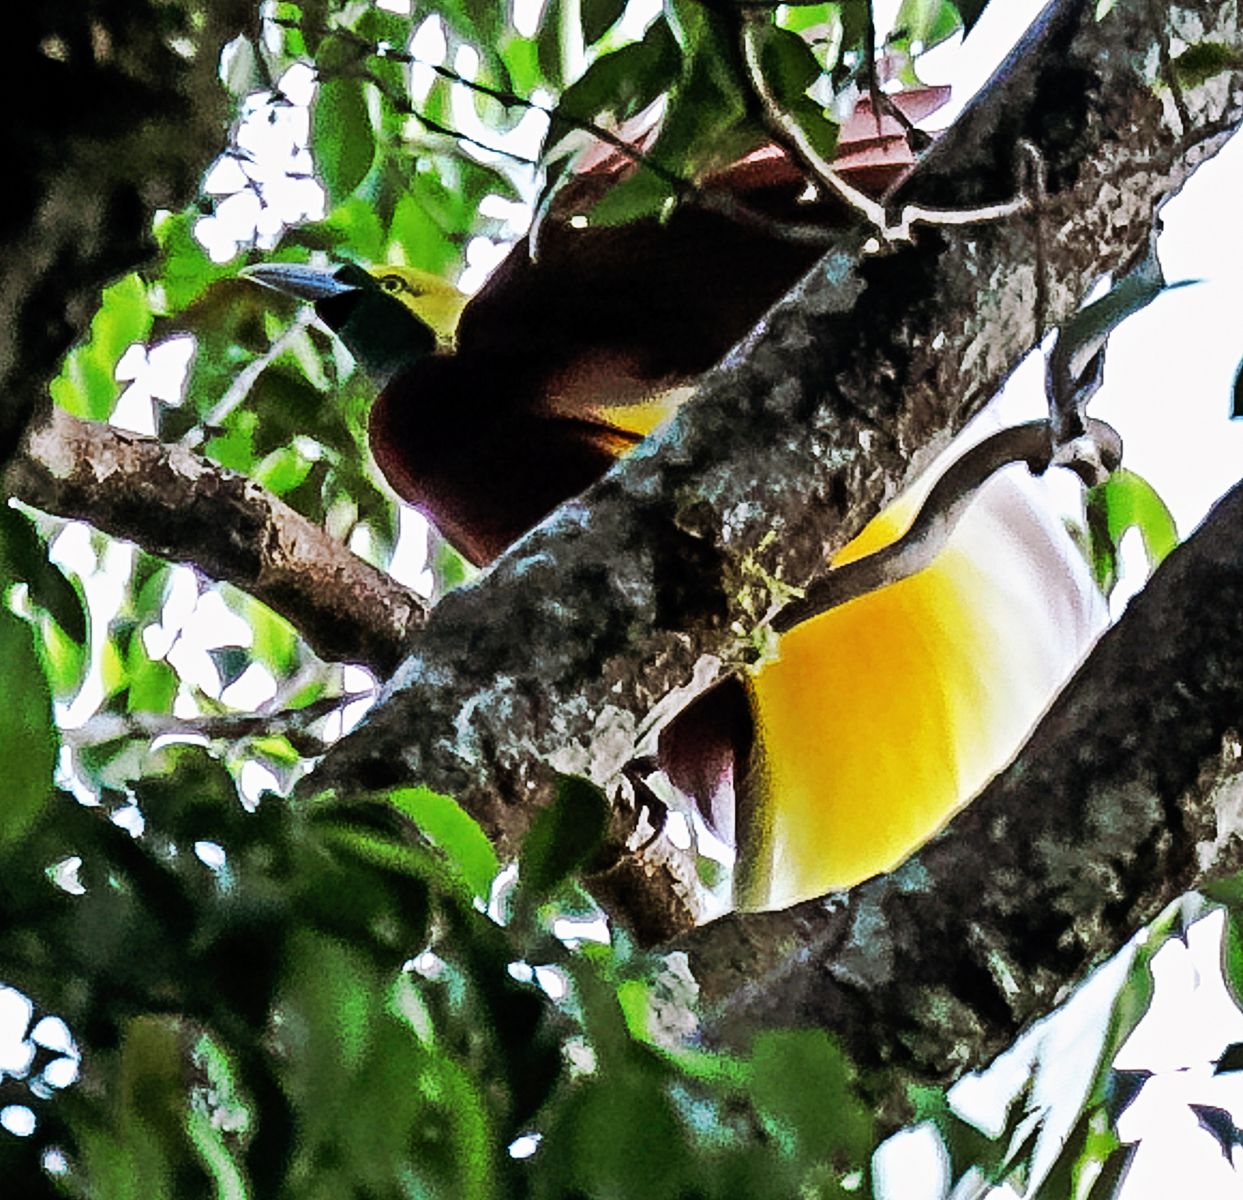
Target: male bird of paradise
874 721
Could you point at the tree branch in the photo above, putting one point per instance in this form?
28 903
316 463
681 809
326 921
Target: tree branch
1128 794
839 400
176 504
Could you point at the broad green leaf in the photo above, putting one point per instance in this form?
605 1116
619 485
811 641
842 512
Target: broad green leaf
342 136
152 682
24 556
624 82
803 1088
928 22
450 827
186 270
87 385
283 470
334 989
563 837
802 18
63 658
1123 502
598 16
27 735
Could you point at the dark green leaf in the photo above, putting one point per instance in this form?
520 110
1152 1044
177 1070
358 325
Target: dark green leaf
450 827
599 16
1219 1123
24 556
803 1088
1230 1059
1236 394
623 82
1121 1089
342 135
26 731
563 837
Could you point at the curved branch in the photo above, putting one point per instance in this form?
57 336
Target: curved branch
177 505
1097 453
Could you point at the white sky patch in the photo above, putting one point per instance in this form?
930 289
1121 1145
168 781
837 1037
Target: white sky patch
15 1013
253 780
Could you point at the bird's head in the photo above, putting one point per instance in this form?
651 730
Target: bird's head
387 317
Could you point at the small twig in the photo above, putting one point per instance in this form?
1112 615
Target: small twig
1170 74
1099 450
402 105
790 134
244 380
869 56
292 723
1035 183
1075 368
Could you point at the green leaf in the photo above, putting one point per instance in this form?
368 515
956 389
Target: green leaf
26 731
152 682
87 385
1123 502
563 837
803 1088
928 22
24 556
450 827
283 470
599 16
791 68
186 270
342 136
622 83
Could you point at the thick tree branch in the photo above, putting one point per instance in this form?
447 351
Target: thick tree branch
1127 795
175 504
557 657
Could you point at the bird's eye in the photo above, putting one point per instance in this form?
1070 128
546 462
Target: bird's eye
391 283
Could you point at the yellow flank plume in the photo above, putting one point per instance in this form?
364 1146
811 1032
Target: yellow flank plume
880 718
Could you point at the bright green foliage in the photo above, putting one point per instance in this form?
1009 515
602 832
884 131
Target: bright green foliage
26 732
87 385
1126 501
